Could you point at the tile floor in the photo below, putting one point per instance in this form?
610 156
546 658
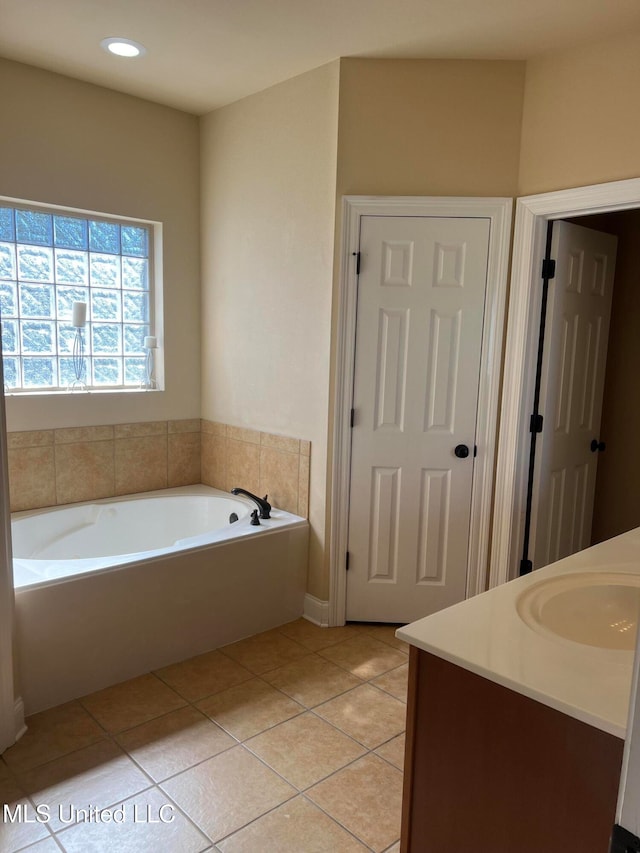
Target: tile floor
291 741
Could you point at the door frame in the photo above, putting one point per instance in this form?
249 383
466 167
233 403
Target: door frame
498 211
532 214
11 707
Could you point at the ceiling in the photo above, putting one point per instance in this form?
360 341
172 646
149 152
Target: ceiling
202 54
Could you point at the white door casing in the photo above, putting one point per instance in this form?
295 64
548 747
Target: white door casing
532 215
572 387
421 294
498 211
11 708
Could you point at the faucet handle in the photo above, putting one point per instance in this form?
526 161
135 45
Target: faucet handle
255 521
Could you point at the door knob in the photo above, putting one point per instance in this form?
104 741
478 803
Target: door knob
597 445
461 451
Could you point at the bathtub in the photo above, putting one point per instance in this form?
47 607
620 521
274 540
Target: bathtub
115 588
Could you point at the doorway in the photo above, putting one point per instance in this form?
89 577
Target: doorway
497 213
532 216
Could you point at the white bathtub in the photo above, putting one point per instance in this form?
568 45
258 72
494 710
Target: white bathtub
61 542
116 588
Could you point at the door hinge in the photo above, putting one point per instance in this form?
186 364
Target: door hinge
535 424
346 562
548 268
352 418
526 566
357 257
623 841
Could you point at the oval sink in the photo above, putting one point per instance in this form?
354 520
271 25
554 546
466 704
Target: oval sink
594 608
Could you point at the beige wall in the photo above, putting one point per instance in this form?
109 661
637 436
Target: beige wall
426 127
581 122
64 142
268 194
429 127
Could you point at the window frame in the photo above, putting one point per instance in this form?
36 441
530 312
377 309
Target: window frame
155 300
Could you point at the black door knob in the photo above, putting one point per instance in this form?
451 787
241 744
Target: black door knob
461 451
597 445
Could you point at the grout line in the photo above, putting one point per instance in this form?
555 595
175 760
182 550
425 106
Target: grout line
237 742
336 821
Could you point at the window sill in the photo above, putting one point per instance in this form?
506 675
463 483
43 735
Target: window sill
81 392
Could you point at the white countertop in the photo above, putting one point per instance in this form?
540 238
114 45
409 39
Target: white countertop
486 635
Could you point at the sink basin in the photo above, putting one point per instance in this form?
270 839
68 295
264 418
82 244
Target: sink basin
594 608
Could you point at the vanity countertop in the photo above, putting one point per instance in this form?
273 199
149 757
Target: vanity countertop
486 635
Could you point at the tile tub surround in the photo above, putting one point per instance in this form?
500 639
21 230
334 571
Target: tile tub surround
62 466
250 749
260 462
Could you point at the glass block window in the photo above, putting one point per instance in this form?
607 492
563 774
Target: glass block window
48 261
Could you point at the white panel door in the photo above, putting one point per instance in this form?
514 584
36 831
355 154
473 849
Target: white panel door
421 294
572 386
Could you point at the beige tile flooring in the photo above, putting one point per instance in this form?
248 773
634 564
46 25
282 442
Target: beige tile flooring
291 741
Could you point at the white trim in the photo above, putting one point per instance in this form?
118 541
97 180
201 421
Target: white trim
532 214
8 720
498 210
316 610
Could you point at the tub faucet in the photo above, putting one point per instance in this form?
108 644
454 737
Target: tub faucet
263 503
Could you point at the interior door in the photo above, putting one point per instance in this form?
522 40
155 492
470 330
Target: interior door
572 385
421 293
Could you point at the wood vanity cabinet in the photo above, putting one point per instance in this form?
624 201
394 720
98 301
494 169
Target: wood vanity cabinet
488 770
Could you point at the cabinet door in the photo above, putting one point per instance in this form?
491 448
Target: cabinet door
492 771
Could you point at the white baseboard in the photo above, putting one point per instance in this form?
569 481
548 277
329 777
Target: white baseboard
18 717
316 610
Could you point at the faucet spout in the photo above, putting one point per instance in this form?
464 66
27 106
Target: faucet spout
263 504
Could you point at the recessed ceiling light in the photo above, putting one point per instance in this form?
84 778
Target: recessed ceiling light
123 47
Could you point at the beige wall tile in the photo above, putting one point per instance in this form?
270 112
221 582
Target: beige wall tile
140 464
84 471
213 460
304 472
184 458
155 455
280 442
70 435
140 429
30 438
279 478
305 447
186 425
31 477
243 465
251 436
213 428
